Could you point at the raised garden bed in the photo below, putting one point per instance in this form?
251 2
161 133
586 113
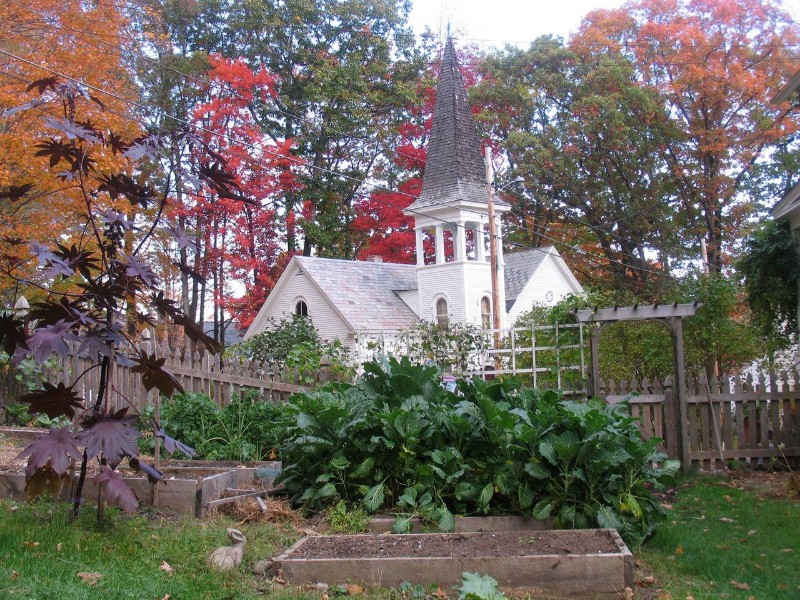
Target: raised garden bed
192 486
587 563
188 489
467 524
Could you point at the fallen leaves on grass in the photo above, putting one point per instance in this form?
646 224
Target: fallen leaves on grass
727 520
90 578
165 567
739 585
30 544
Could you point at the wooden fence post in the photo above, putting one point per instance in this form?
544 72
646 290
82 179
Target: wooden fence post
671 425
594 345
679 388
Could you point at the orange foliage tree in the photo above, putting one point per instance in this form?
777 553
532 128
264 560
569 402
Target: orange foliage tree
715 64
42 39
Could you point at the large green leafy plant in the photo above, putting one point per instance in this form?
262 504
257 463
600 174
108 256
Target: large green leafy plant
245 429
398 440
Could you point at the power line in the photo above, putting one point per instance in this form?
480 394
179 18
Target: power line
489 41
597 258
206 81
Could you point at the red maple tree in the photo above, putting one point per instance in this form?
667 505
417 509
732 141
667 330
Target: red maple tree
243 234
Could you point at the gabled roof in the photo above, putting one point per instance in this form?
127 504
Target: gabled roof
364 292
455 170
519 268
787 205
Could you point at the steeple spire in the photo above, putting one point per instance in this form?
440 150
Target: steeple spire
454 170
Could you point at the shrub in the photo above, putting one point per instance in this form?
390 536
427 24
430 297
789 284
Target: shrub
247 429
295 343
398 440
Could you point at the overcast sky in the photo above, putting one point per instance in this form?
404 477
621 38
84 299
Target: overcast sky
514 21
504 21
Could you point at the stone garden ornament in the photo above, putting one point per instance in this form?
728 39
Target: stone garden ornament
230 557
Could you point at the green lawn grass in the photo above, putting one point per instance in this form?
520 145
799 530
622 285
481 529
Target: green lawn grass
41 554
720 541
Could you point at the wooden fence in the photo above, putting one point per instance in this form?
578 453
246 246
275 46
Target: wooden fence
738 419
751 421
222 379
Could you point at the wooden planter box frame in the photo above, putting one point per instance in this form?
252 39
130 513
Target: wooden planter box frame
180 494
555 576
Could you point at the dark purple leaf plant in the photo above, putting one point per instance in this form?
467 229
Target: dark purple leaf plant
97 292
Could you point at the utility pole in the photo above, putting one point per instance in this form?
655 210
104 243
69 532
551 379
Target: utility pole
493 250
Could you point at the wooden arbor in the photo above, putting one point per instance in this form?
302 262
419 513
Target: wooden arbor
670 315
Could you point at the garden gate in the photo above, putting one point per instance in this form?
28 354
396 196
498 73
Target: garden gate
670 315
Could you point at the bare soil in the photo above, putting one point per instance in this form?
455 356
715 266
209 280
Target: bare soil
508 543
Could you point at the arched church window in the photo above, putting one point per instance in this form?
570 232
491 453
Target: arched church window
486 312
301 308
470 240
442 316
449 240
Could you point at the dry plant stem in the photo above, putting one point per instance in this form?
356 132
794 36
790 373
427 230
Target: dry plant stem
715 424
794 484
76 506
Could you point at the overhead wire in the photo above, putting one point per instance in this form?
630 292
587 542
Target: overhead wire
597 259
465 38
205 81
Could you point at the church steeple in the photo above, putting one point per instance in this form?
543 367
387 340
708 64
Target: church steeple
451 214
455 170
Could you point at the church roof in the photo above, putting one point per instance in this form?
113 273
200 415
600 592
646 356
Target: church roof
519 267
455 170
365 292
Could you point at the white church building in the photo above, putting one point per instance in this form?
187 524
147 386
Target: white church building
358 300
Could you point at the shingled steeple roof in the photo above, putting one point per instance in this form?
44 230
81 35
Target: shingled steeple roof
455 170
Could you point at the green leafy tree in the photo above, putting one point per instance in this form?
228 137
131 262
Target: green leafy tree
770 268
585 136
348 70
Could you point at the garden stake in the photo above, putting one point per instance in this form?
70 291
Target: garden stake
714 423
